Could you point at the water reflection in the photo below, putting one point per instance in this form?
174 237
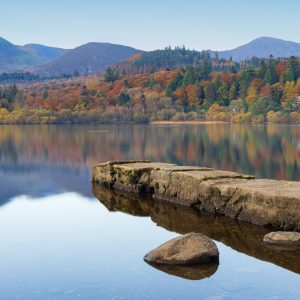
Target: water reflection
57 243
62 156
196 272
240 236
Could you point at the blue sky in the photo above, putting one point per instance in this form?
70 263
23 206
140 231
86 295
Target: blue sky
152 24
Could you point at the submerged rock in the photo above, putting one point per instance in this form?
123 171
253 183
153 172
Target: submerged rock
284 238
189 249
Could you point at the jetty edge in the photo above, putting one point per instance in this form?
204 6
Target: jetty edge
263 202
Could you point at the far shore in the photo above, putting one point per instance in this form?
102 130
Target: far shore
186 122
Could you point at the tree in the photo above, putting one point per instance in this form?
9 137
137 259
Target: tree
223 92
210 93
124 99
233 92
111 75
174 84
188 78
11 93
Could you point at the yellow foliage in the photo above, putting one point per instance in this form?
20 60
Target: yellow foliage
3 112
242 118
295 117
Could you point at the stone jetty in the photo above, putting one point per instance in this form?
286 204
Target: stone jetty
259 201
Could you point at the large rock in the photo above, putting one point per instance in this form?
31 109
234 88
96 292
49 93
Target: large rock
189 249
283 238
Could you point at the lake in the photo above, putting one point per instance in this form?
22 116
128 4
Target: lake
61 238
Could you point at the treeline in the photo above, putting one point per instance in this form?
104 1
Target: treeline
8 78
170 59
180 57
263 90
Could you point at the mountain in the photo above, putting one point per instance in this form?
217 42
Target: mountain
44 53
262 47
15 58
86 59
96 57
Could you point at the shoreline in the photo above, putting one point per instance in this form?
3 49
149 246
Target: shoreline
186 122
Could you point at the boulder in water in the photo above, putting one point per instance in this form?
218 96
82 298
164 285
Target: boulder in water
189 249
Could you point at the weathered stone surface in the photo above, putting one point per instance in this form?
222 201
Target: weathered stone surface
187 186
189 249
284 238
259 201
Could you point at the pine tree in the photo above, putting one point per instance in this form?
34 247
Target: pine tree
210 93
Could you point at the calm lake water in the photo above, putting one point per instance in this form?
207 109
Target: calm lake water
63 239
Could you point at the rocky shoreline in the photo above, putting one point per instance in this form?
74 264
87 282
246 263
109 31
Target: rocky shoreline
241 236
242 197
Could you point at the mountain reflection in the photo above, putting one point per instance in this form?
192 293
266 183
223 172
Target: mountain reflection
240 236
37 160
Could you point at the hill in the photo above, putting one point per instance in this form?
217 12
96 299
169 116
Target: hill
97 57
12 58
86 59
15 58
262 47
44 53
170 59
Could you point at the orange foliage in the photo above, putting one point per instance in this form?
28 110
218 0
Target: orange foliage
281 67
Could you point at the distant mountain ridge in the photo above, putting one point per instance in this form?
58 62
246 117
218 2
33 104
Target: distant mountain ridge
45 53
96 57
86 59
14 58
262 47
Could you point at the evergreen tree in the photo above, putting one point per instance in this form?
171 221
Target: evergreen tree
210 93
293 64
124 99
188 78
111 75
233 91
289 75
174 84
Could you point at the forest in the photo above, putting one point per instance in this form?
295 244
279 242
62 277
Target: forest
163 85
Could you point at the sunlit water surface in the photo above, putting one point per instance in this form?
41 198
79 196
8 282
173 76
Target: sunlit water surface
59 242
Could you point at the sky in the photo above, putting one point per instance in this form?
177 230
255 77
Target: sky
148 25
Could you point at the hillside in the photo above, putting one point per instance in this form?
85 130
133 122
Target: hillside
15 58
170 59
262 47
269 92
86 59
12 58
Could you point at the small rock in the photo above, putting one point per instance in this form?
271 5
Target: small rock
289 238
189 249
